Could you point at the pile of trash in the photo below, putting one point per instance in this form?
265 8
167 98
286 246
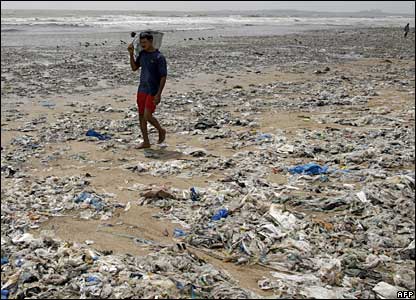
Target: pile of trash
348 250
48 268
80 271
29 203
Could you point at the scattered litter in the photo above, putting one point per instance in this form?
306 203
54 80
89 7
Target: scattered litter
100 136
386 291
194 194
222 213
309 169
362 197
178 232
343 227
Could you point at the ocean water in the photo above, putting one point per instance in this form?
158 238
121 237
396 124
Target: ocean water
49 28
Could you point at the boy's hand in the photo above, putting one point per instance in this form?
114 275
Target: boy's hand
156 99
130 48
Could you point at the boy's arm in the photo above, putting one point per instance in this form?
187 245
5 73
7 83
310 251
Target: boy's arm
159 92
163 72
135 65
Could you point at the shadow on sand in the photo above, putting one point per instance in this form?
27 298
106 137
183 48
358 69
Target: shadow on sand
162 154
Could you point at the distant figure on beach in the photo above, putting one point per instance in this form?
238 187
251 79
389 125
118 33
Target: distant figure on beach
152 81
406 30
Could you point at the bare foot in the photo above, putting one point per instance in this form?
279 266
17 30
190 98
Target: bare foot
143 146
162 135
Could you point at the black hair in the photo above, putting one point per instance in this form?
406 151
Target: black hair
146 35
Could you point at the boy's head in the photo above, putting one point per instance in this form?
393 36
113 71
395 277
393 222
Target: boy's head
146 40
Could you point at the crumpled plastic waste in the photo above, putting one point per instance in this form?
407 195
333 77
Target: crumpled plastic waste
178 232
90 199
285 220
386 291
4 260
194 194
309 169
222 213
48 104
264 137
4 294
93 133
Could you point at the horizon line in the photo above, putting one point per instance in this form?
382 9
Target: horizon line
215 10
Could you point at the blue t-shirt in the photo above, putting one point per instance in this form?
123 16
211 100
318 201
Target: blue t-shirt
153 66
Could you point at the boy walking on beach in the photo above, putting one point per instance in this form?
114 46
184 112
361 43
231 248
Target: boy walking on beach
152 81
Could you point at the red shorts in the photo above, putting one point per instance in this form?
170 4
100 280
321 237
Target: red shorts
145 101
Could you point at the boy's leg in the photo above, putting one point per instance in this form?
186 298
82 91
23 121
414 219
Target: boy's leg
152 120
143 128
141 101
149 110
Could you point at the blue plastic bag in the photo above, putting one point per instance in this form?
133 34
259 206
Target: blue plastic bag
98 205
194 194
222 213
98 135
4 294
178 232
4 260
264 137
18 262
193 296
179 285
89 198
92 279
82 197
309 169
